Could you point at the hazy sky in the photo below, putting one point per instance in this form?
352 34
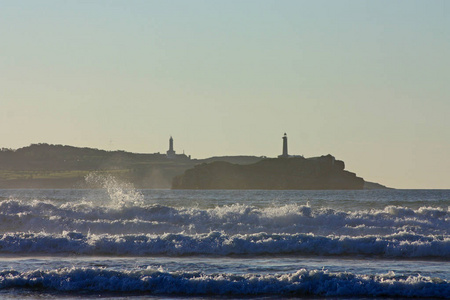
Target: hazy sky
366 81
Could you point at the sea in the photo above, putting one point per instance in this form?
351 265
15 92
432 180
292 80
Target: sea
117 242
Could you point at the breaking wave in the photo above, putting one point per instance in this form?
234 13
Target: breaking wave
84 216
216 243
124 225
105 231
301 283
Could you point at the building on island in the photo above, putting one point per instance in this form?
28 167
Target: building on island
285 149
170 154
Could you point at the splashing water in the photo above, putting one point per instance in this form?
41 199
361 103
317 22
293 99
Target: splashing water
120 194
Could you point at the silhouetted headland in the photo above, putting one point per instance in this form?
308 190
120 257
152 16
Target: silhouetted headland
283 173
49 166
58 166
287 172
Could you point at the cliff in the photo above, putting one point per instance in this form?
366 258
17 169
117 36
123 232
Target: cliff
61 166
58 166
294 173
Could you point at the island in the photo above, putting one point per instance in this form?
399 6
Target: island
282 173
61 166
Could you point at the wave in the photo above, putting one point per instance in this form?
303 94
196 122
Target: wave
301 283
85 216
220 244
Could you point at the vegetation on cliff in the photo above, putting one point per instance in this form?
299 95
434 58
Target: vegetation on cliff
60 166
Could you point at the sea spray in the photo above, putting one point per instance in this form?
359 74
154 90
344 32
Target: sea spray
120 193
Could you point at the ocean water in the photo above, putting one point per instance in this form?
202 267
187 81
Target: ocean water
120 243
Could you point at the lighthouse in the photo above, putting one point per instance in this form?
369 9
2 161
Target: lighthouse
285 147
170 152
285 154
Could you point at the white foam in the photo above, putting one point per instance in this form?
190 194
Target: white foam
84 216
121 224
217 243
302 283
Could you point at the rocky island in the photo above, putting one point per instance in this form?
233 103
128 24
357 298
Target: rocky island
282 173
58 166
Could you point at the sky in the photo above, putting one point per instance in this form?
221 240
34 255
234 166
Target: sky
365 81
